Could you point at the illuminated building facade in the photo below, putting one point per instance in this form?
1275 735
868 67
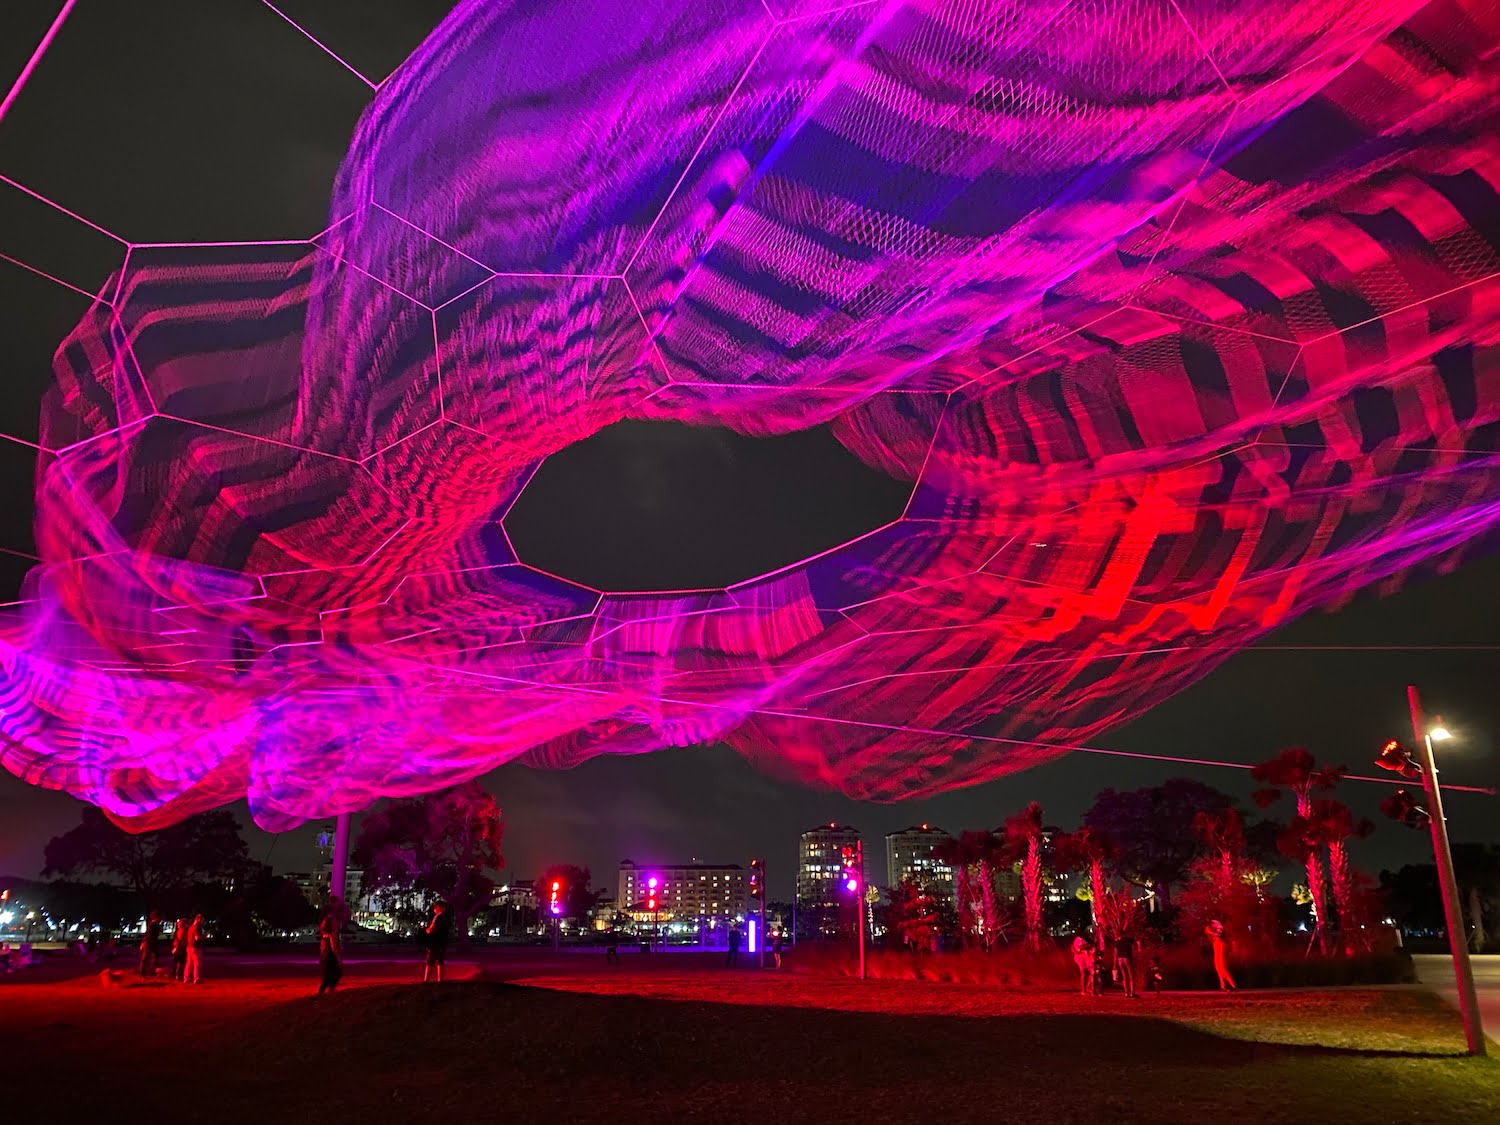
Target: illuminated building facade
820 863
684 891
908 855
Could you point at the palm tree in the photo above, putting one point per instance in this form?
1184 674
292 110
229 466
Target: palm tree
988 853
1297 772
1337 825
1303 839
955 853
1087 849
974 856
1223 834
1023 839
1478 870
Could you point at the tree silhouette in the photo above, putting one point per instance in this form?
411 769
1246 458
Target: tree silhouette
1151 830
155 865
576 895
1477 868
442 845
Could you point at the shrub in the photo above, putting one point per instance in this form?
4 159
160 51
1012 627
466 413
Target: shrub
1187 967
1183 966
1010 966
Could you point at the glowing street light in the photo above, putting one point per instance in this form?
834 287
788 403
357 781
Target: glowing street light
555 905
653 905
854 874
1395 758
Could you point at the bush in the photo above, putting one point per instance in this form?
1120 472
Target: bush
1183 967
1010 966
1188 967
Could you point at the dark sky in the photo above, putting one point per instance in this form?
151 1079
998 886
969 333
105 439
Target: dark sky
168 120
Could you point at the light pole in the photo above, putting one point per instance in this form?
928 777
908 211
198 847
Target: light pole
854 883
339 868
1458 938
655 906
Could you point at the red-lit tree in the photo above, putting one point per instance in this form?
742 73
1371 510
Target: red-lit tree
1338 826
976 857
957 854
1151 830
1023 839
1088 850
1221 884
912 913
1296 771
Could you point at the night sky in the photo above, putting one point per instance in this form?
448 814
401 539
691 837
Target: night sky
168 120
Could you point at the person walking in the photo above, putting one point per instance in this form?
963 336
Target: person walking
778 945
193 970
330 959
439 930
1125 946
150 939
179 949
1215 933
732 958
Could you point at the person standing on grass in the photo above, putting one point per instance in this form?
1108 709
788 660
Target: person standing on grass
1215 933
329 953
179 949
1083 957
1125 962
732 958
612 946
439 930
778 944
150 958
196 935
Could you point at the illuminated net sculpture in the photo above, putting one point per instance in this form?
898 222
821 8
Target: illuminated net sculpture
1179 317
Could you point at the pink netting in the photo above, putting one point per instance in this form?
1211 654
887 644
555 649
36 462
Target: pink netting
1181 317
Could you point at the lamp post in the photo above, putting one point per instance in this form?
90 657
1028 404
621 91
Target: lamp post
854 883
1463 971
655 906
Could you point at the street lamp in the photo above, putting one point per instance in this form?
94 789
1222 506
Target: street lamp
1458 943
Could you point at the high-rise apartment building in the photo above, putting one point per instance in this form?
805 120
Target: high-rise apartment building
820 863
683 891
908 855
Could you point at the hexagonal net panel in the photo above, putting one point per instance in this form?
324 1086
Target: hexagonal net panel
1178 319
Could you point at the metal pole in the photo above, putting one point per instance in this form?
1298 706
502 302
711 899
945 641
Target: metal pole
340 876
1458 937
859 857
764 934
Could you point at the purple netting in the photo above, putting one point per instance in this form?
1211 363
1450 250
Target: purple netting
1179 317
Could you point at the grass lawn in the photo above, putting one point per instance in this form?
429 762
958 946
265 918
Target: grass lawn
567 1042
